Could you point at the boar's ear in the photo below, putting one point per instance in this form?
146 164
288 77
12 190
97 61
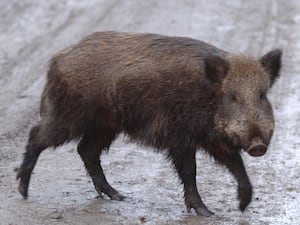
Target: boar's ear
216 68
272 63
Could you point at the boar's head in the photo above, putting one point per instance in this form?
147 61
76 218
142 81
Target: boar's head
244 115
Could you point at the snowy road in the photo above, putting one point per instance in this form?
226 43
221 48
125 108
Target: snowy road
61 192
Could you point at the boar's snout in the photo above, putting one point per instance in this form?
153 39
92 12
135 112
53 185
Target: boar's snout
257 147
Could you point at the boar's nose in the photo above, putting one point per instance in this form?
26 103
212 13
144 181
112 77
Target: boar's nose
257 147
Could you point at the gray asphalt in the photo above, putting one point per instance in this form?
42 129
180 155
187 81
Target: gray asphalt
62 193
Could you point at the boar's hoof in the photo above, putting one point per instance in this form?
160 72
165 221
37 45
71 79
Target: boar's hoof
245 195
200 209
257 147
112 193
23 189
204 212
118 197
24 182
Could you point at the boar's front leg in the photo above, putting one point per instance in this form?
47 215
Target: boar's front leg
185 164
89 149
234 163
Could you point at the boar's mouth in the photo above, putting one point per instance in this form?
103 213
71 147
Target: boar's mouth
257 147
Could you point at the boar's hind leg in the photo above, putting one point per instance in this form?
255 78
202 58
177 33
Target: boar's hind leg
89 149
185 164
36 144
235 165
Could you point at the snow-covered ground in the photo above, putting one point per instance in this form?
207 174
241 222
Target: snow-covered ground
62 193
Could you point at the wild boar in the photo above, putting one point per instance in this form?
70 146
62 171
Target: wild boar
175 94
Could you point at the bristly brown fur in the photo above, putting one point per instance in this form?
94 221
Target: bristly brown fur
173 93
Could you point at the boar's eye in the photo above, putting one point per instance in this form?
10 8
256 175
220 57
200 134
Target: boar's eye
233 96
263 95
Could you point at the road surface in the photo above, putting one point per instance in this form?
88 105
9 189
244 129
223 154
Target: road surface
61 192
